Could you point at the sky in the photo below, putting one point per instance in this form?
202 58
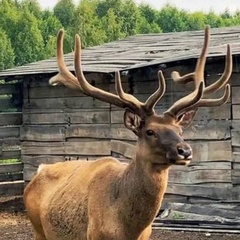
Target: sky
217 6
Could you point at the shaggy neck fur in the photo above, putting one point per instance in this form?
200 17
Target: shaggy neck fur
141 190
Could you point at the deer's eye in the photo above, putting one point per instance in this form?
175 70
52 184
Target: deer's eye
150 133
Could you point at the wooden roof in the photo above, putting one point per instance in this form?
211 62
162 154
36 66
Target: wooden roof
139 51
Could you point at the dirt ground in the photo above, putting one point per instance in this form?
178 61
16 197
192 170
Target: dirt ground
14 225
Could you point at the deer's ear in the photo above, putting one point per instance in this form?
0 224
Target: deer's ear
186 118
132 121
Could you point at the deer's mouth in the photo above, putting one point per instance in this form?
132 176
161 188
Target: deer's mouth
179 159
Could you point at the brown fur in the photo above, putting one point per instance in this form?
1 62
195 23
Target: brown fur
104 199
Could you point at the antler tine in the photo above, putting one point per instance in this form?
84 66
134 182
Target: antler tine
215 102
198 75
133 103
157 95
180 106
64 76
88 88
225 76
148 106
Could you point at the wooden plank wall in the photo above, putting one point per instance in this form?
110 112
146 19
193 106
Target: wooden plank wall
60 124
11 169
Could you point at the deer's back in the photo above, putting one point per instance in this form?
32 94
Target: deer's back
64 195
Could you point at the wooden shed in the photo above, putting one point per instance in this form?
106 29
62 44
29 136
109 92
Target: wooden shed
50 124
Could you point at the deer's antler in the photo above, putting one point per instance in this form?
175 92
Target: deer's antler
185 104
123 100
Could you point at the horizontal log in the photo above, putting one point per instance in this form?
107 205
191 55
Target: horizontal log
43 80
91 116
9 132
10 118
44 118
208 165
211 150
42 148
236 156
236 176
47 91
11 188
11 167
235 192
236 111
235 95
125 149
199 176
69 148
84 116
207 192
203 115
120 132
97 131
208 130
70 102
11 154
88 148
43 133
236 165
50 92
29 171
235 138
10 177
35 161
169 198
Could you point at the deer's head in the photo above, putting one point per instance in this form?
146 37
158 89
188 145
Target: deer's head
159 136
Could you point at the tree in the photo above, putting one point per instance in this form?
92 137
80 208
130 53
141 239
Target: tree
148 20
196 21
9 17
171 19
49 26
28 43
88 24
33 6
64 10
6 51
214 20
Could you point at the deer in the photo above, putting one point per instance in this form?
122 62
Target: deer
107 199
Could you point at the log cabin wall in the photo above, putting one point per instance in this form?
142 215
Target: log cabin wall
60 124
11 176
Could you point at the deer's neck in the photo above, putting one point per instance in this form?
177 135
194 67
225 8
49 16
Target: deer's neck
142 188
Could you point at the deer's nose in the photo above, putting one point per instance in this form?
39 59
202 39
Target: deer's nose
185 151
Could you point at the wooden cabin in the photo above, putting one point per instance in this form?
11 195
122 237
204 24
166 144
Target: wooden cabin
44 124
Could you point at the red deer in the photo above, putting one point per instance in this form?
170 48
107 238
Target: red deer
106 199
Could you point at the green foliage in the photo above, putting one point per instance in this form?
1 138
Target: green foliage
28 43
65 12
28 33
171 19
6 51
